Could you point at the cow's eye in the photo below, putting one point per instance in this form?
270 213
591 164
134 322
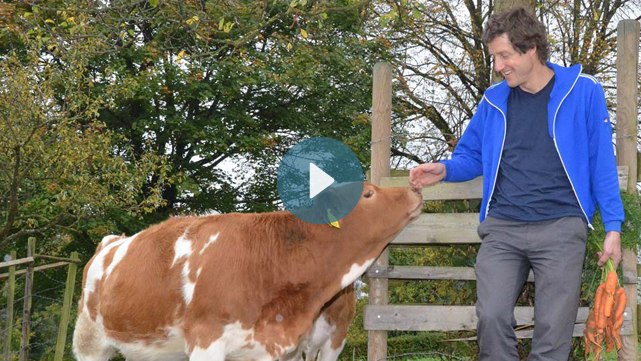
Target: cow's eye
368 194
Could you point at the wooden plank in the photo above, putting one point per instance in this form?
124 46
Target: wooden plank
627 97
440 228
16 262
66 307
452 318
630 275
53 258
472 189
622 172
528 332
422 273
426 273
11 292
36 269
629 350
26 308
381 153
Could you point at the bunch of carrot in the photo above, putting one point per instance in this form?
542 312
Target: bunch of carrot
606 318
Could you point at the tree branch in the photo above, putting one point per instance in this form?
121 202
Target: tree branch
399 153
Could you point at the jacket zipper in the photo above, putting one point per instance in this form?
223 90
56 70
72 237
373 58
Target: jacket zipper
487 208
561 158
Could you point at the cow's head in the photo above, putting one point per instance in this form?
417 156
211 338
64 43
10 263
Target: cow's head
385 211
380 214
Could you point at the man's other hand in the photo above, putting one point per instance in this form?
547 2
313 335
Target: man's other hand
611 249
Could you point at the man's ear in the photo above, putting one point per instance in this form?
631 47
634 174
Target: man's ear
531 52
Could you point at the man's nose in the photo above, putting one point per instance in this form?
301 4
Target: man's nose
498 66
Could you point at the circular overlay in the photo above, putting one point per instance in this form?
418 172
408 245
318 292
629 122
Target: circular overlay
320 180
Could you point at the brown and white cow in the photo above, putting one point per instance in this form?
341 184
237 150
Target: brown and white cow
232 286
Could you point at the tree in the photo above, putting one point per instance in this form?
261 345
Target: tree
221 88
58 166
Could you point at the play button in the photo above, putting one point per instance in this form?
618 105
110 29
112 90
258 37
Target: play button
320 180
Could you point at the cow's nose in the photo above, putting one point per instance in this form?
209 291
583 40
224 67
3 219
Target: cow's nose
417 193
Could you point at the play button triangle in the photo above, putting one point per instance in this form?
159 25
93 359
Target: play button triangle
318 180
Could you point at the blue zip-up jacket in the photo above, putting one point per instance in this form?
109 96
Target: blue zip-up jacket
579 124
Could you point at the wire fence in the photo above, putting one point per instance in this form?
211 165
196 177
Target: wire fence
46 310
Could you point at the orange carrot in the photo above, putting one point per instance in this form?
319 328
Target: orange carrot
598 308
590 327
609 289
609 338
611 282
621 300
618 311
589 333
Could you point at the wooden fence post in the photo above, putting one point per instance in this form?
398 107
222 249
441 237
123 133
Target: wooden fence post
626 135
381 143
11 292
26 309
66 307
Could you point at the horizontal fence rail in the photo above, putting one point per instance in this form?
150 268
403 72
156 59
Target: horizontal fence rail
440 228
426 273
459 318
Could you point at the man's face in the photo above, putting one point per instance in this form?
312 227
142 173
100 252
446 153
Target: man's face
515 67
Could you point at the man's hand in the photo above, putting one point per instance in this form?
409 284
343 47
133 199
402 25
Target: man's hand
611 249
426 175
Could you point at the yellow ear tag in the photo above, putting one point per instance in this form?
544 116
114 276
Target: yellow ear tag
332 220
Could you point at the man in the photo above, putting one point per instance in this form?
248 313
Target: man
542 140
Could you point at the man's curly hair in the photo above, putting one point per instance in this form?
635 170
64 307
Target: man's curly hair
523 29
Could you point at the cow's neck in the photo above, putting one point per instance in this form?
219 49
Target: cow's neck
322 257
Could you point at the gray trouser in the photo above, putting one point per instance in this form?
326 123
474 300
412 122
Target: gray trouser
554 250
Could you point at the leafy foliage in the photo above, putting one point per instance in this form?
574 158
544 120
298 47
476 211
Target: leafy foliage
59 164
221 90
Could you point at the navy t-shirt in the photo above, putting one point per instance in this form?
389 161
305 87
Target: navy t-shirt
531 184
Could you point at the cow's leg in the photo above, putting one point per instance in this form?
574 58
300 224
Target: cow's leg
311 353
89 343
296 355
327 353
